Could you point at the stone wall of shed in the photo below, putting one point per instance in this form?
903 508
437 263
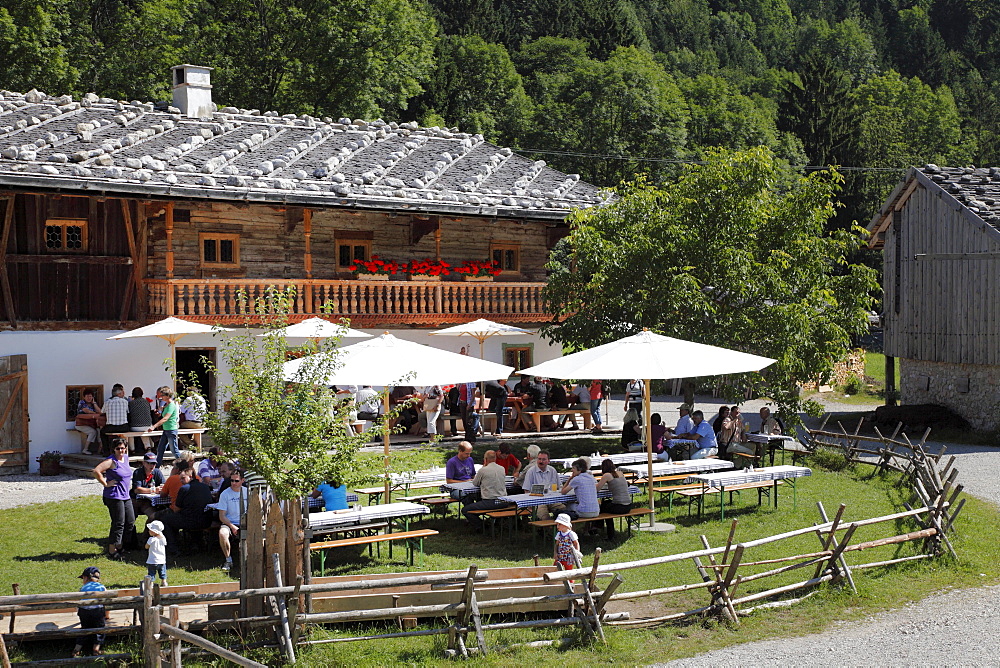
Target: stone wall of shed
971 390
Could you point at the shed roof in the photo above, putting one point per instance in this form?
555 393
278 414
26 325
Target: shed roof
976 189
100 145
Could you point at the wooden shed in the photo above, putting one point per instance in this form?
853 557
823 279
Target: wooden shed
940 236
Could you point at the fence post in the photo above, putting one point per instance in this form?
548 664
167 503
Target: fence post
285 634
150 626
175 643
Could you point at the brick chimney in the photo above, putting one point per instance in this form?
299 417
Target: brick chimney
192 86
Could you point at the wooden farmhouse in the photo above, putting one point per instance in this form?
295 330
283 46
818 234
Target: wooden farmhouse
940 236
117 214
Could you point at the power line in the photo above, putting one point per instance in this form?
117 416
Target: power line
672 161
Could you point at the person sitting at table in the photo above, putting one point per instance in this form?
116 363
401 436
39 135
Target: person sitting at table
87 413
546 476
620 501
768 424
116 410
631 429
579 401
532 451
173 482
685 424
188 511
460 468
208 469
226 469
334 495
704 435
140 417
657 430
232 502
582 483
491 480
731 435
505 458
523 386
193 410
147 479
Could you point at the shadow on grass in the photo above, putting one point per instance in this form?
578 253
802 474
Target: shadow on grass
59 556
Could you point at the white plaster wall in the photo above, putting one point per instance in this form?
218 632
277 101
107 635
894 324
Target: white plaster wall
58 359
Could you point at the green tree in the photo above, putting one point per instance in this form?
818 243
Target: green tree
476 87
626 106
723 255
325 57
291 433
40 43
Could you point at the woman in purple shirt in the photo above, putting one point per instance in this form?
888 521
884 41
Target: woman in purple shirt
115 476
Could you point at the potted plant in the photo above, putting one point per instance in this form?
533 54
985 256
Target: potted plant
375 269
471 270
427 270
48 462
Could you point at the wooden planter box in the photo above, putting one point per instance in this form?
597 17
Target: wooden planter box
49 467
423 277
477 279
373 277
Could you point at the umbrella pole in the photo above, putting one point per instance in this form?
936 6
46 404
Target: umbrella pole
385 444
649 449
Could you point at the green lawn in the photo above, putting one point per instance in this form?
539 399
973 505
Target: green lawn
55 541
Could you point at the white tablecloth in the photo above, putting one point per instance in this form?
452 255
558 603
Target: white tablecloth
730 478
367 514
684 466
767 438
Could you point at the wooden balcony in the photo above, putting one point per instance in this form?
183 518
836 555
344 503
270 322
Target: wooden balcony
368 304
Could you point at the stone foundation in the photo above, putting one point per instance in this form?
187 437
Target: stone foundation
971 390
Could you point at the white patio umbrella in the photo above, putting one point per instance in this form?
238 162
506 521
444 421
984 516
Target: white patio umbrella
649 356
318 328
385 360
171 330
481 330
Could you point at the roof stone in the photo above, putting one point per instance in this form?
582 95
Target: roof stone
977 188
102 144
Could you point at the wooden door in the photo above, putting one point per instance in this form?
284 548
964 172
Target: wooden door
13 412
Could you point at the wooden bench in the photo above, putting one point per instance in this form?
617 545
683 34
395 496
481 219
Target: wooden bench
670 490
763 487
414 540
496 515
631 518
536 416
130 436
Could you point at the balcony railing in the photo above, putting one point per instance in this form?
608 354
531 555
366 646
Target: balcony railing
366 303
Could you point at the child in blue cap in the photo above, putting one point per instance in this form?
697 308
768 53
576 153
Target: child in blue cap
91 616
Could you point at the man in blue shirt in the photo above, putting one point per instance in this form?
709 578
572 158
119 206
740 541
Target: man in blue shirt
704 434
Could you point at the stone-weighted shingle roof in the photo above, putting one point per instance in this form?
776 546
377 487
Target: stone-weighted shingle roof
103 145
977 188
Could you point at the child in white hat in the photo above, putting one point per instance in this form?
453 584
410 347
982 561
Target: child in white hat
567 548
156 562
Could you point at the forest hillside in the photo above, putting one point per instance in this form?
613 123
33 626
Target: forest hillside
603 88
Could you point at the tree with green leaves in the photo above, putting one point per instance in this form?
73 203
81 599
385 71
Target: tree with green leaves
293 432
732 253
476 87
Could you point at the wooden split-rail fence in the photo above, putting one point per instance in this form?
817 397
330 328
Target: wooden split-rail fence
737 577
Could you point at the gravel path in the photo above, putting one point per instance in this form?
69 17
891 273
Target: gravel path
31 488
